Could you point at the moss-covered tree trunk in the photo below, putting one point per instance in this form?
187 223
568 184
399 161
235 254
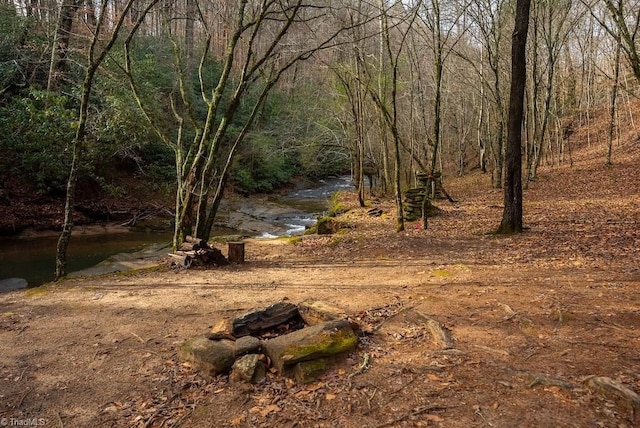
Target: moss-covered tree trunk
79 142
78 146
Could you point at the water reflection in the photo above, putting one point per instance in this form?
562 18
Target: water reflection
34 258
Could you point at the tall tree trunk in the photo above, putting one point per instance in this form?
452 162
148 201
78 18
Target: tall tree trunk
532 173
482 148
78 150
359 125
437 104
612 104
189 31
398 189
512 213
58 64
497 149
79 142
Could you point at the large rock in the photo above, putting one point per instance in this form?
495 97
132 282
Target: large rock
324 225
246 345
317 311
248 368
308 371
211 357
322 340
10 284
222 329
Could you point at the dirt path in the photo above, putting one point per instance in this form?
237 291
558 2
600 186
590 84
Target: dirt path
531 316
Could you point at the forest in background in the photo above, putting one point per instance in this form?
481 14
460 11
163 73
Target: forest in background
193 98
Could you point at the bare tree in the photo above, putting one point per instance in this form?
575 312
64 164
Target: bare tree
613 102
441 34
260 49
95 56
387 104
512 213
58 63
347 67
490 21
621 19
551 27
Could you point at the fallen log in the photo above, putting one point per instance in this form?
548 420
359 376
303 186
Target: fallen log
188 246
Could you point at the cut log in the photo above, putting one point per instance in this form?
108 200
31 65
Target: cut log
181 260
188 246
236 252
201 243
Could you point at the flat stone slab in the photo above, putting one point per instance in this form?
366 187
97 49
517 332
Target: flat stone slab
318 311
222 329
11 284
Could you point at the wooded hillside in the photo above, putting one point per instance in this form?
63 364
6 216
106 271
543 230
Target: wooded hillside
194 98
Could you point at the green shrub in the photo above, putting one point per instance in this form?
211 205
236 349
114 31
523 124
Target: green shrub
336 207
261 167
38 127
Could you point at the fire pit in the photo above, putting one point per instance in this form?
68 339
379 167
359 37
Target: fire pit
298 341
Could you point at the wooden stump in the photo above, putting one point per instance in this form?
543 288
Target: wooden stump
236 252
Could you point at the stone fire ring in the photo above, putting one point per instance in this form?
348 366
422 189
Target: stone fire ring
248 345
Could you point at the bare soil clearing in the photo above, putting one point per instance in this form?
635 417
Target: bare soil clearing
532 318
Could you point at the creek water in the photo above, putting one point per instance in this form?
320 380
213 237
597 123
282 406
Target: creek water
34 258
303 206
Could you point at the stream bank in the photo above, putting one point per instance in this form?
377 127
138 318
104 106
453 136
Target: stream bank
29 259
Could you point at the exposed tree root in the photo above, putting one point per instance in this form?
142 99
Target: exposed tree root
363 367
509 312
540 379
415 412
535 379
610 388
441 337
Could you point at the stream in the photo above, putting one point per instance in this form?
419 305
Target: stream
31 261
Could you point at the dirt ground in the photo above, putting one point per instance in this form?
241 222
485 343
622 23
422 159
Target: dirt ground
545 325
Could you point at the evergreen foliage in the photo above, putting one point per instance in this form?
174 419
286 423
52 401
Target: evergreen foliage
36 128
